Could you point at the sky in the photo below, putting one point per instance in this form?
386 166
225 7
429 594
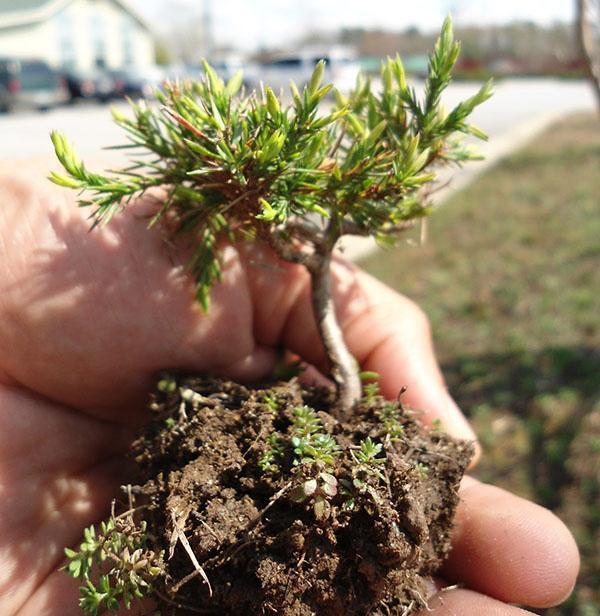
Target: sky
250 24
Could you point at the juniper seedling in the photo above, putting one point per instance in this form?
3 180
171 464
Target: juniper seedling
298 178
239 166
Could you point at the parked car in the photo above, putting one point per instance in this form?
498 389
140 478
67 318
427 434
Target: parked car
86 85
229 67
137 83
341 69
30 84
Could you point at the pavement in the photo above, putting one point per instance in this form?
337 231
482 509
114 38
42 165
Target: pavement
519 111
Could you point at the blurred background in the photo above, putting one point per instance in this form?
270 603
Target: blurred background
507 269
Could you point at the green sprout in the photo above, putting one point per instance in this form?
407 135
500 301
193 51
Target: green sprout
436 425
319 490
271 403
315 453
167 386
128 569
371 391
310 444
391 424
366 473
275 451
422 469
368 454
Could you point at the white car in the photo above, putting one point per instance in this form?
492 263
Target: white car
341 69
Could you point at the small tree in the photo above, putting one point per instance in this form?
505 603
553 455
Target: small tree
240 166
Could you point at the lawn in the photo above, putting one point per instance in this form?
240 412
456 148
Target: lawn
510 278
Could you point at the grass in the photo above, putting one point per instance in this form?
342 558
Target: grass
511 282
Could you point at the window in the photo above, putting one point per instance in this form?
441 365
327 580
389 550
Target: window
287 63
99 40
66 46
128 38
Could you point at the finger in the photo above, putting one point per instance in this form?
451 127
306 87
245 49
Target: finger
87 318
461 602
386 333
510 548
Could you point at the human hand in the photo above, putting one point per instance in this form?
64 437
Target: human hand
87 319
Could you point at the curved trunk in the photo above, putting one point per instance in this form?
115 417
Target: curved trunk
344 368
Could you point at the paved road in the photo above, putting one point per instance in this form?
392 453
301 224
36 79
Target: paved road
515 103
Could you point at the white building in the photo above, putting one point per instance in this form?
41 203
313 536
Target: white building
81 34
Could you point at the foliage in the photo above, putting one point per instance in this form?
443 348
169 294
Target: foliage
391 424
315 452
117 556
367 455
239 165
366 472
271 403
276 449
319 490
370 392
310 443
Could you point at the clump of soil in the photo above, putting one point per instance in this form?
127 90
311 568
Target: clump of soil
275 534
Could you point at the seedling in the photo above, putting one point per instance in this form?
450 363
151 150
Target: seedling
268 461
391 422
242 166
117 554
296 178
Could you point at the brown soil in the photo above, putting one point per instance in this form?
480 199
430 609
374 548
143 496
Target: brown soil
368 550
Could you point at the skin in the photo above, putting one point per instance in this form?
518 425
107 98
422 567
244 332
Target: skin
87 319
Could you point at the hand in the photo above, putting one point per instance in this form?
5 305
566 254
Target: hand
86 319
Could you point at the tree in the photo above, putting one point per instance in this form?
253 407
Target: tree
240 166
588 26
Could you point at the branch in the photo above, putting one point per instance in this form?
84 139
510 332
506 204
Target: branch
306 230
349 227
282 247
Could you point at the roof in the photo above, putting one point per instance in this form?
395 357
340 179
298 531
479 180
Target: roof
18 6
24 12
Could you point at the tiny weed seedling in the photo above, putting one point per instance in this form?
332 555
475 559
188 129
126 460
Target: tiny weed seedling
391 422
275 451
116 556
242 166
365 473
315 452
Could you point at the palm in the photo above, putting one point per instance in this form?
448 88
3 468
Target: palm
85 322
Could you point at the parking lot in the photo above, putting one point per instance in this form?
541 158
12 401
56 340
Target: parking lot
89 125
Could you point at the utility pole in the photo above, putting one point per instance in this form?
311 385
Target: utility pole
207 28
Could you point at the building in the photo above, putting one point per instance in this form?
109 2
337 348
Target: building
77 34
